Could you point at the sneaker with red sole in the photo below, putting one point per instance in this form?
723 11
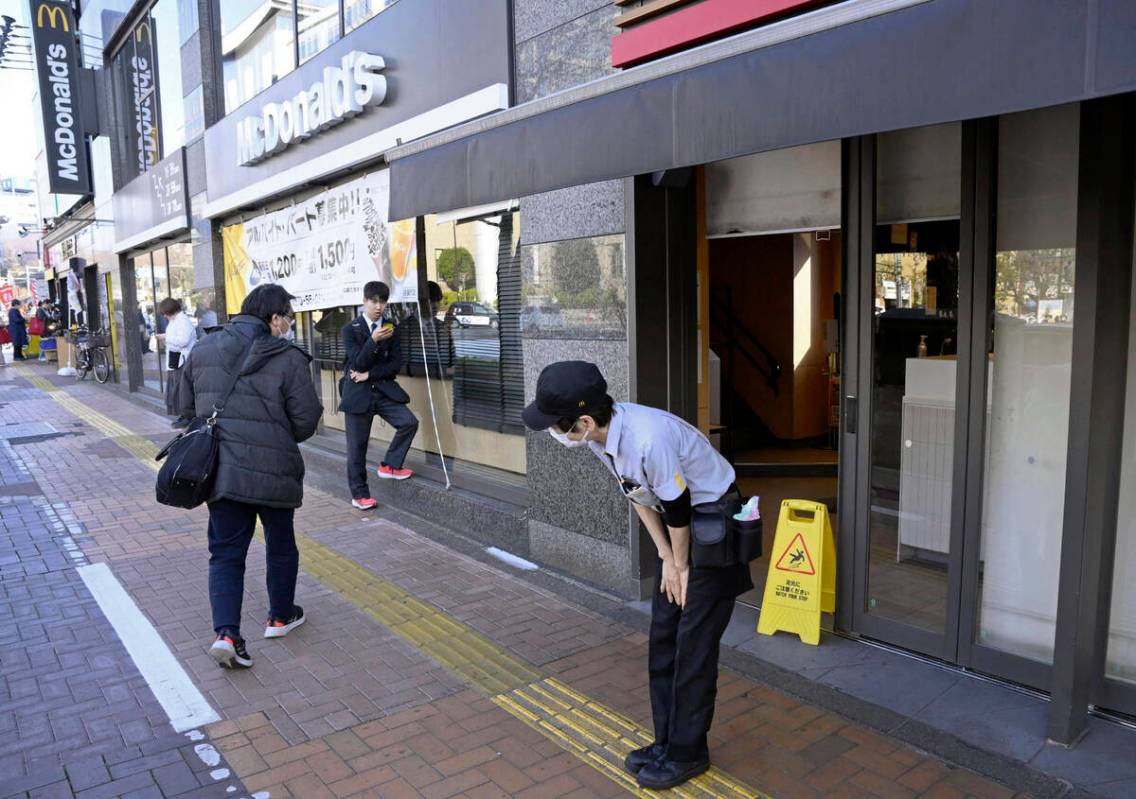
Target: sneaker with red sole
230 653
387 473
278 628
365 503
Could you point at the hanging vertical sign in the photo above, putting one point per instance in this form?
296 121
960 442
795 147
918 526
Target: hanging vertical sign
146 131
57 63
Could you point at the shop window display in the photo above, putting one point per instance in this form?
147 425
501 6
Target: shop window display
463 350
164 272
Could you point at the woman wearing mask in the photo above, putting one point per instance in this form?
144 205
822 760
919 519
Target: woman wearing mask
260 470
179 337
665 468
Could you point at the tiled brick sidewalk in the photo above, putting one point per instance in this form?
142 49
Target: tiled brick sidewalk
76 717
347 706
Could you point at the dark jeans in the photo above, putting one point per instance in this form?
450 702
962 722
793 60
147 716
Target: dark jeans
682 660
231 526
358 427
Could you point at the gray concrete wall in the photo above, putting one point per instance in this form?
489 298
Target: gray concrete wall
578 521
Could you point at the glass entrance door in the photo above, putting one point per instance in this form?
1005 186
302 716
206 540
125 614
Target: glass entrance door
962 326
908 554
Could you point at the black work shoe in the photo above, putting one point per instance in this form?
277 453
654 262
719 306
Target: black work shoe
230 653
278 628
637 758
666 773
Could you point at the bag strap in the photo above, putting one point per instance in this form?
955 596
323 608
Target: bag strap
230 384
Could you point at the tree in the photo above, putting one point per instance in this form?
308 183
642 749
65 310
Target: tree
457 268
576 266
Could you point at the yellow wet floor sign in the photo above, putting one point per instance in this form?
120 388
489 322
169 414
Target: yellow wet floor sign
802 572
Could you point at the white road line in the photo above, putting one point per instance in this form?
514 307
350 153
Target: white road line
179 697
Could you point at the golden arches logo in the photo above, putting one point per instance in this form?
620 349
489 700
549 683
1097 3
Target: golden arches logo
56 16
143 26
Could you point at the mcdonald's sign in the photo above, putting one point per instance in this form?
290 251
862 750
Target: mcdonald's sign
55 16
57 63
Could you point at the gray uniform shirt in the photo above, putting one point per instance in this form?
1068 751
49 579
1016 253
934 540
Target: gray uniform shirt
657 451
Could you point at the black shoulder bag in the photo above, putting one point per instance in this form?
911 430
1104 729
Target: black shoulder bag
186 478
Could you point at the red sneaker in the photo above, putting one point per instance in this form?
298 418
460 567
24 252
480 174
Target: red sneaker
365 503
387 473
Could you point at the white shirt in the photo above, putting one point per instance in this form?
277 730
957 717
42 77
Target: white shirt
659 451
181 335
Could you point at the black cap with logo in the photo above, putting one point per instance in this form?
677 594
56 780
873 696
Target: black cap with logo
565 389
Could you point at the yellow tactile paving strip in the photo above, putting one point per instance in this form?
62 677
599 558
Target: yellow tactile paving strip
594 733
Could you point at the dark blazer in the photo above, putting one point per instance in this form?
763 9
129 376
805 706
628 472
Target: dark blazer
382 362
273 407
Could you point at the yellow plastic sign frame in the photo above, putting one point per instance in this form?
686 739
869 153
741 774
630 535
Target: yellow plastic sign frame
802 572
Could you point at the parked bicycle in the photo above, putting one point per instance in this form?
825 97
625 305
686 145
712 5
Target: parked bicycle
91 353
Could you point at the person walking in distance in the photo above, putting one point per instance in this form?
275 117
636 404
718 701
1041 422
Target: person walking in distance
18 330
368 389
179 338
260 471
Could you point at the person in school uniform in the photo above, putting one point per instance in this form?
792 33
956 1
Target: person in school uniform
369 389
665 467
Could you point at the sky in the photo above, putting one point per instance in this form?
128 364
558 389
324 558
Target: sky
18 141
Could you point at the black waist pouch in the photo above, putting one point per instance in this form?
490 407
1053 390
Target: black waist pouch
717 539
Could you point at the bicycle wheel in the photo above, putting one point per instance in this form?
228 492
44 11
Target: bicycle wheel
82 364
102 365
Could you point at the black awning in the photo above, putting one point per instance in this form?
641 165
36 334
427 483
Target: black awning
939 61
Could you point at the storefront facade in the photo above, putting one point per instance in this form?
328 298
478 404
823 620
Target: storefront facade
954 269
920 276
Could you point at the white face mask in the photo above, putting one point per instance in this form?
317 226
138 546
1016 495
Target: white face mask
568 442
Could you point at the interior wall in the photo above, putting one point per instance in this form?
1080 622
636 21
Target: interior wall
816 279
782 287
702 256
759 272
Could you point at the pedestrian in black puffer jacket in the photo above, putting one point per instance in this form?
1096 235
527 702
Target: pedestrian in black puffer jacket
260 471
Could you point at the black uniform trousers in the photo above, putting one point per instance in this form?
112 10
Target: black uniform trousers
683 656
358 428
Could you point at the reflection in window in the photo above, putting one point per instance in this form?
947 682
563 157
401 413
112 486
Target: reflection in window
913 347
144 322
187 19
1030 377
1120 663
203 309
167 51
575 287
356 12
319 26
256 47
147 89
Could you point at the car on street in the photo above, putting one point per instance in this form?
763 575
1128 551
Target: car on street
471 314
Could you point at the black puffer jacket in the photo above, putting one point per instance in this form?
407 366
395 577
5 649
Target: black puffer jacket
272 408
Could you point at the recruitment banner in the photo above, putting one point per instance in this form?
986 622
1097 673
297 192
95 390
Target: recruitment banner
57 64
324 249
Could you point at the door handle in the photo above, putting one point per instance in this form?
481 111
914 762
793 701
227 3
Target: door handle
851 407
